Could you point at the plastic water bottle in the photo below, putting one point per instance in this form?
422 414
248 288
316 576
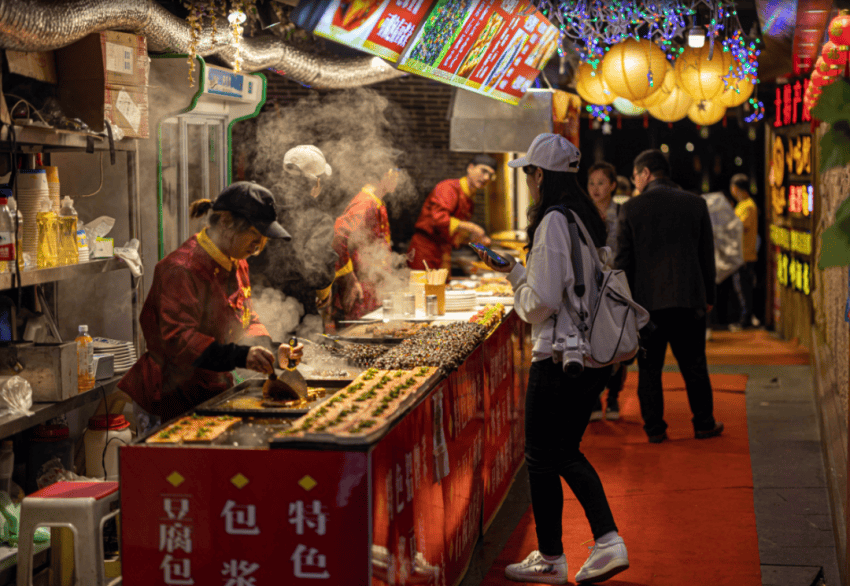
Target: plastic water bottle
19 232
7 238
68 254
85 360
48 235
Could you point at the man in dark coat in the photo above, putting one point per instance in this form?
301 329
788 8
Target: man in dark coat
665 245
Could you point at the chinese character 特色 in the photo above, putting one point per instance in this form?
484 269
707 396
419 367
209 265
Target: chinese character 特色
176 572
237 573
304 558
240 519
315 518
174 537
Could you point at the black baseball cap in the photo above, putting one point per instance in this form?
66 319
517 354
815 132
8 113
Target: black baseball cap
253 202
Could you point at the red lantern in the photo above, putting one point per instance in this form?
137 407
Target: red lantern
834 55
839 28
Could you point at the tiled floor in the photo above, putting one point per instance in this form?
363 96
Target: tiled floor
793 518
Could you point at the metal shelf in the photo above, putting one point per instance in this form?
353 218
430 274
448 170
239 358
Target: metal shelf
39 276
12 424
38 139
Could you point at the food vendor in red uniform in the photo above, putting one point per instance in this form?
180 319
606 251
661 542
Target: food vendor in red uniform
362 242
444 220
197 319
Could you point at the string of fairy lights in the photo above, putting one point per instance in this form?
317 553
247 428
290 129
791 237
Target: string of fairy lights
592 27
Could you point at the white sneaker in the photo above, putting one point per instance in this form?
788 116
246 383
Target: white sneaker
604 562
535 569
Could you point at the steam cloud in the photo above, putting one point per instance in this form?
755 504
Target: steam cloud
362 135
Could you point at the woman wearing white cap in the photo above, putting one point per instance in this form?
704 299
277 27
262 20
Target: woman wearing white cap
304 267
558 406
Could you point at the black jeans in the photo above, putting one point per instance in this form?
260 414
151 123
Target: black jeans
557 411
684 329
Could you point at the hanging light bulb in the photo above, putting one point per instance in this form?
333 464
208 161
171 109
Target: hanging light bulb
696 37
237 17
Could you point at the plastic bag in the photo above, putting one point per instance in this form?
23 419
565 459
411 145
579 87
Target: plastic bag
16 394
10 514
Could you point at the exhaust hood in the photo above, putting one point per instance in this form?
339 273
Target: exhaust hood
482 124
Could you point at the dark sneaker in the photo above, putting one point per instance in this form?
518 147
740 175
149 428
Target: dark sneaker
604 562
657 439
597 412
537 570
714 432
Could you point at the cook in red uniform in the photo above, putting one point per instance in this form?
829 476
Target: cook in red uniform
444 220
362 242
197 319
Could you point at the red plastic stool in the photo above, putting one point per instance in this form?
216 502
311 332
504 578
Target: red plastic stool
81 506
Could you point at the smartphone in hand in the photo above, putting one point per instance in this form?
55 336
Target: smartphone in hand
497 259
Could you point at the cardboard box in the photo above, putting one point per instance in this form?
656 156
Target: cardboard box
105 75
40 65
50 369
110 57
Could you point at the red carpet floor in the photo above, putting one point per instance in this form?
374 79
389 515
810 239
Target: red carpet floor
684 507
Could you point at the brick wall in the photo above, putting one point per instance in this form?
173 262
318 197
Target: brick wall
420 116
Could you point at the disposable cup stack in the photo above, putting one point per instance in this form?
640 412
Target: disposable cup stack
31 185
53 187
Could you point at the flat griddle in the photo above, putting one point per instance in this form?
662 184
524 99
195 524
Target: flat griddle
253 389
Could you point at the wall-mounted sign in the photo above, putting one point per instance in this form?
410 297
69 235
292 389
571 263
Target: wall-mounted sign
379 27
789 104
793 272
492 47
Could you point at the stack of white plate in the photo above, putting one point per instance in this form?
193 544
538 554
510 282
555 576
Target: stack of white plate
30 187
460 300
124 352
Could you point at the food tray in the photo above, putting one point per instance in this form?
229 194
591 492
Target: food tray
253 389
320 439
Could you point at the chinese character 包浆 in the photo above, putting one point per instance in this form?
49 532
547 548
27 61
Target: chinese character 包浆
174 537
313 517
304 558
176 572
237 573
240 519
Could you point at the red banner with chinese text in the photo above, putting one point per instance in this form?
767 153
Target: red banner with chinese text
233 517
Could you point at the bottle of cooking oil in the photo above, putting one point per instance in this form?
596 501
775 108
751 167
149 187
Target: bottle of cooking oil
7 238
85 360
48 235
19 232
68 254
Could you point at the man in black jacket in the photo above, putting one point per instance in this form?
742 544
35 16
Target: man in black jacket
665 245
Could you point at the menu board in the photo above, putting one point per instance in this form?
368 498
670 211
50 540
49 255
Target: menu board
493 47
380 27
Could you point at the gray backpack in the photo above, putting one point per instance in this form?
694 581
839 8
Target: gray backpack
605 328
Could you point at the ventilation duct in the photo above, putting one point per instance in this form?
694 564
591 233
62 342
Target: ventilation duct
44 25
482 124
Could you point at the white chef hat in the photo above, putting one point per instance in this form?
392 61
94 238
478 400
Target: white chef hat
306 160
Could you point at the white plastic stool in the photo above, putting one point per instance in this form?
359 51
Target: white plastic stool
81 506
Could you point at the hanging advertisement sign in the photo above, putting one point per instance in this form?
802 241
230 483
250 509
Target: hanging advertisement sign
380 27
493 47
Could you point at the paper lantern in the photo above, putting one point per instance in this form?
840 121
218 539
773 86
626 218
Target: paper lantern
737 92
699 76
626 108
627 67
674 107
666 88
834 55
839 29
591 87
706 112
